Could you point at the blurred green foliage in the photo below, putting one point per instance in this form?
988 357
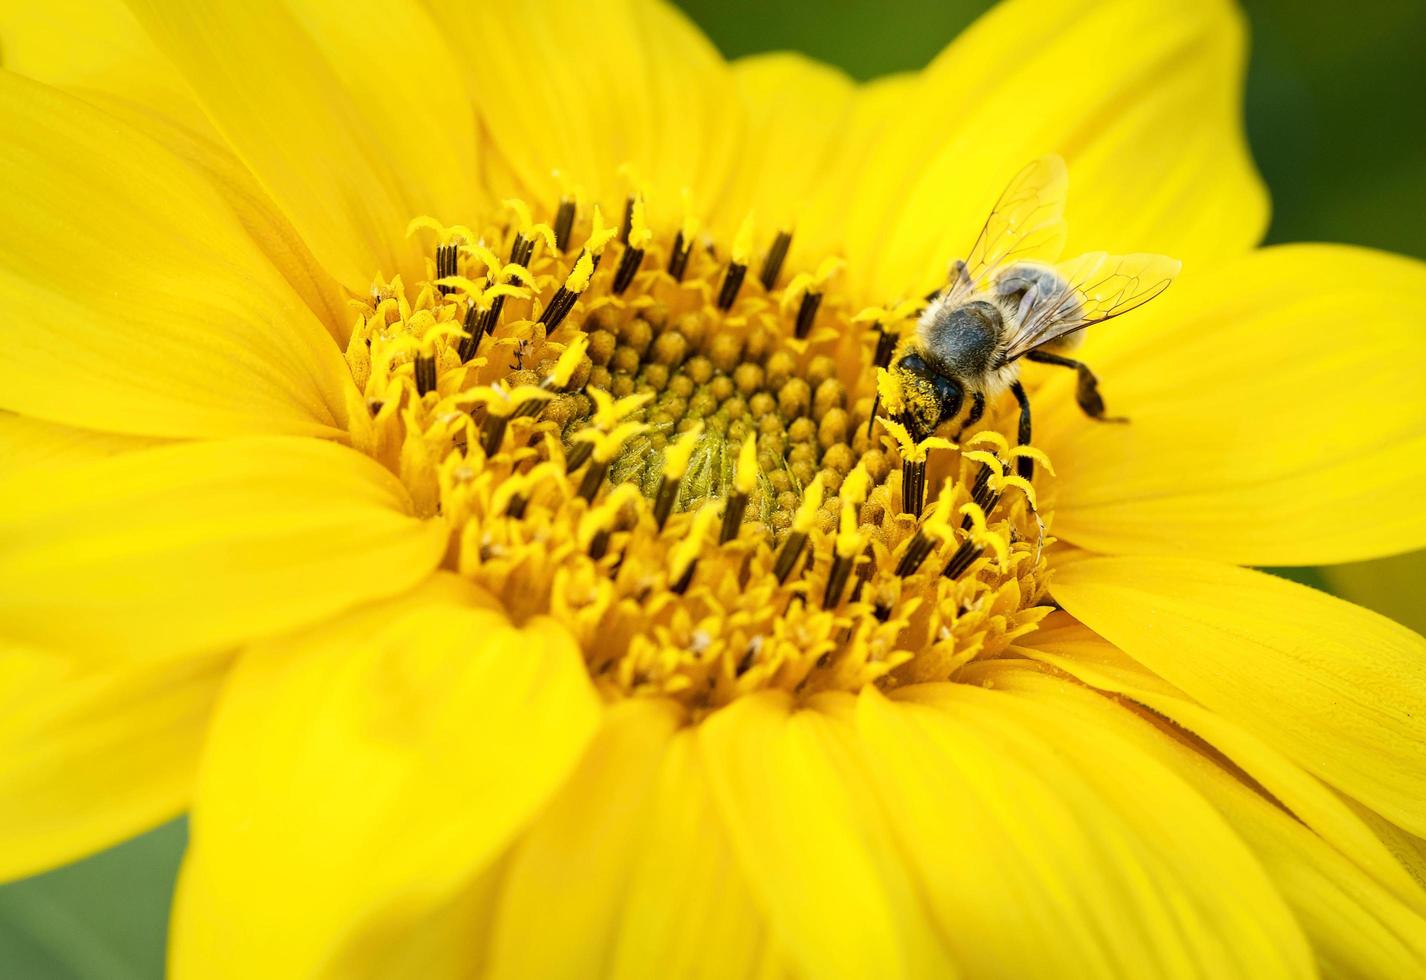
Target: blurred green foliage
1337 120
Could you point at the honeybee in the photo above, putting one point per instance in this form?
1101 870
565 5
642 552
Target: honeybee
1006 301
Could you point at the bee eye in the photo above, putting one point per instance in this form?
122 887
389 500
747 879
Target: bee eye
914 363
949 393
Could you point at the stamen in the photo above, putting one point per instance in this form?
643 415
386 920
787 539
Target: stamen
772 262
446 265
806 313
675 465
744 482
732 282
474 326
678 256
967 553
802 523
425 366
564 224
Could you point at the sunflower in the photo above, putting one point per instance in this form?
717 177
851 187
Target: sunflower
438 456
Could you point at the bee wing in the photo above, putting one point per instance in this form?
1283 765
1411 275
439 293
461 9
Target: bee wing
1097 287
1026 223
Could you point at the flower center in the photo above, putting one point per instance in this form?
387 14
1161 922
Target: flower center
673 454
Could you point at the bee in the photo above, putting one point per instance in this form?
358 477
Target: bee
1006 301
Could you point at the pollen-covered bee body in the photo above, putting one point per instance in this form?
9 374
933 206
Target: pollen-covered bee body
1010 300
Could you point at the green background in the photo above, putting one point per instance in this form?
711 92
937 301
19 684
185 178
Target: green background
1337 121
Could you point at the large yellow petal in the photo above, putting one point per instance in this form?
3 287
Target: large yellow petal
94 48
91 755
1075 650
1039 862
1355 926
598 822
689 911
137 302
795 791
570 93
352 116
199 546
360 774
797 113
1394 587
1338 689
1142 97
27 442
1276 415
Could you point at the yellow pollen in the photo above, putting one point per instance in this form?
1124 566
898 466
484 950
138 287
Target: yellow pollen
676 463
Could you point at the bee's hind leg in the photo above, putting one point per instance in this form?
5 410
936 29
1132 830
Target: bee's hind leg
977 409
1086 388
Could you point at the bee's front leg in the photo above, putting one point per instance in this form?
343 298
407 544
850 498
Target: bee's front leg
1024 466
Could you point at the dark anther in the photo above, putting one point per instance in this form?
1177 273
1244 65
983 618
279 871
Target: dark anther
678 257
885 346
446 265
916 552
521 249
981 494
772 262
593 477
517 505
425 374
627 225
806 313
599 544
564 223
492 432
755 645
864 573
732 282
374 405
578 453
474 330
628 265
664 500
733 510
684 580
881 611
787 557
961 560
837 576
913 486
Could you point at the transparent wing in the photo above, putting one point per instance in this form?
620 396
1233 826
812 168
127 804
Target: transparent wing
1097 287
1026 223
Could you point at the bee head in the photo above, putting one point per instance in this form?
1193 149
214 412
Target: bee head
928 397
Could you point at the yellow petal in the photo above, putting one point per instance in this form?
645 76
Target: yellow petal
1356 928
92 755
1142 99
26 442
1090 659
796 109
1262 429
1043 860
138 303
360 774
198 546
1336 688
569 98
598 822
794 790
688 911
353 117
874 109
1391 586
96 49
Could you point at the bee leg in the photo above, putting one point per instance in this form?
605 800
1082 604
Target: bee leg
977 409
1086 388
1024 466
